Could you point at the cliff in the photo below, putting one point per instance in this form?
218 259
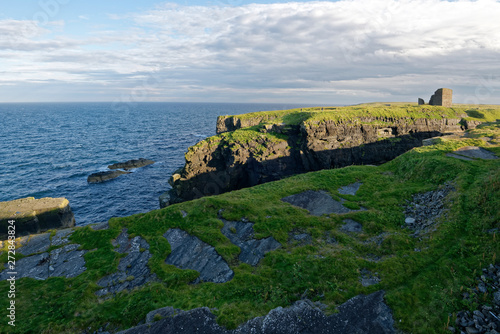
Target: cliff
360 249
259 147
35 215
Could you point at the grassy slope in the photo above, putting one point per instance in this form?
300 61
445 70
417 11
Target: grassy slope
422 287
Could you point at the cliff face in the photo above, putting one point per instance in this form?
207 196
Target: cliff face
253 152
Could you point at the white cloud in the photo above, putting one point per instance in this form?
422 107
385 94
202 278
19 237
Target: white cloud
317 52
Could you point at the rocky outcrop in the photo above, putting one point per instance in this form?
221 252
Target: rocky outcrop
33 216
361 314
245 158
241 234
189 252
65 261
132 269
116 170
131 164
317 203
105 176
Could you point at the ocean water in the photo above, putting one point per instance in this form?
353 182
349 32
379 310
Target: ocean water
49 149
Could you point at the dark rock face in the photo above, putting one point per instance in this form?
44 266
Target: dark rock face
217 166
34 216
242 235
360 315
131 164
189 252
317 203
421 101
132 269
105 176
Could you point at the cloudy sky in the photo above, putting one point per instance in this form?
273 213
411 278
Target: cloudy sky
319 52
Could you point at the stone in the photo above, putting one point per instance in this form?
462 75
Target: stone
350 189
133 270
474 152
302 239
189 252
33 216
164 199
131 164
105 176
66 261
442 97
351 226
317 203
361 315
61 237
36 243
242 235
410 221
421 101
368 278
459 157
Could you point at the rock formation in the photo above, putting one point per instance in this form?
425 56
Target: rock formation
131 164
223 163
35 215
115 171
361 314
105 176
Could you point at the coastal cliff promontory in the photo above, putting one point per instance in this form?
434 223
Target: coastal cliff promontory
255 148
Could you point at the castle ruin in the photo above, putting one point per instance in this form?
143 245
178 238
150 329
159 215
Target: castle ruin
441 97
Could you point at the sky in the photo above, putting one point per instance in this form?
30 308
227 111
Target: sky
314 52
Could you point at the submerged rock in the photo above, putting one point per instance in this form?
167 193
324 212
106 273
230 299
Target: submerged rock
131 164
33 216
189 252
105 176
361 315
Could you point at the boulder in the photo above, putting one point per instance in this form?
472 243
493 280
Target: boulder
105 176
33 216
131 164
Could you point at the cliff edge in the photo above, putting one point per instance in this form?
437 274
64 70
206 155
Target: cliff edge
255 148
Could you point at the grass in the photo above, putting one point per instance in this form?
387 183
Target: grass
422 288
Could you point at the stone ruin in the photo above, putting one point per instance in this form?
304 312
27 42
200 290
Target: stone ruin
441 97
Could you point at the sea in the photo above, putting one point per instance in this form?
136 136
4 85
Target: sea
49 150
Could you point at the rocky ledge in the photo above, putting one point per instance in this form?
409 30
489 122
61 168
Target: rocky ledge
131 164
32 215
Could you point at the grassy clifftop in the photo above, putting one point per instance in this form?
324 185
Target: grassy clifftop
423 277
356 113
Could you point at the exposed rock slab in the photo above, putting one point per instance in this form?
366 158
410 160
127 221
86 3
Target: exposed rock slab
361 315
242 235
66 261
189 252
105 176
368 278
132 269
131 164
33 216
317 203
350 189
352 226
36 243
61 237
473 152
299 239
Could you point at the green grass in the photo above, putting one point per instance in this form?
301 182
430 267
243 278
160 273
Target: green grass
422 288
